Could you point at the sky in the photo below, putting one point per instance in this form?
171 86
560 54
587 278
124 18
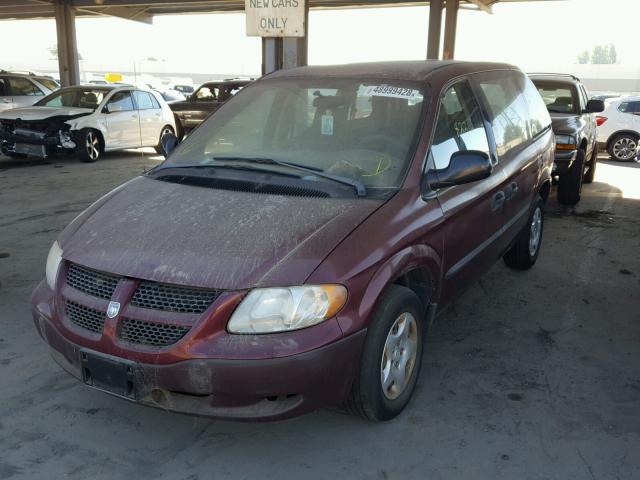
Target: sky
532 35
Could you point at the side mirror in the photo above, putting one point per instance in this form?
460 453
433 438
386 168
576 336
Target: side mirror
594 106
464 167
113 108
168 144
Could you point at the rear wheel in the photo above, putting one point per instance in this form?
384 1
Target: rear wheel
570 184
165 130
593 162
623 147
90 146
391 357
524 252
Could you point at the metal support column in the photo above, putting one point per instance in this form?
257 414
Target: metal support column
450 25
286 52
67 44
435 28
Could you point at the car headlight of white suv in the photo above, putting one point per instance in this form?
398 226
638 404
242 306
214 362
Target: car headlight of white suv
270 310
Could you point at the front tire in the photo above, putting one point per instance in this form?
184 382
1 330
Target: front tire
570 184
391 357
623 147
524 252
90 146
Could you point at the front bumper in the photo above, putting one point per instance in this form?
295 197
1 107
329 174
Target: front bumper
563 161
35 143
236 389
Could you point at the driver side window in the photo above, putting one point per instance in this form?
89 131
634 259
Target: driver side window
207 94
459 125
121 101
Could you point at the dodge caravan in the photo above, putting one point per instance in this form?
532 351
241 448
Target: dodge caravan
292 253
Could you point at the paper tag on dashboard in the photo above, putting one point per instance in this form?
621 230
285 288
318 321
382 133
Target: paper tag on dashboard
392 92
326 125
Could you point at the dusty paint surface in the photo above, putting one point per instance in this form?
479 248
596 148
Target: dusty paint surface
528 376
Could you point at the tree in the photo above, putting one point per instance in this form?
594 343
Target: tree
600 55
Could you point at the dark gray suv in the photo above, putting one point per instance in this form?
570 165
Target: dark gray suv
574 124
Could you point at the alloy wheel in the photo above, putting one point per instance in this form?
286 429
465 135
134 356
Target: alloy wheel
535 232
625 148
399 356
93 146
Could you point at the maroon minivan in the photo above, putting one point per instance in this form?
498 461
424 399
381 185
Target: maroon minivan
292 253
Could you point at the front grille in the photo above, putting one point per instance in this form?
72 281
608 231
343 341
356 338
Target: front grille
84 317
93 283
169 298
153 334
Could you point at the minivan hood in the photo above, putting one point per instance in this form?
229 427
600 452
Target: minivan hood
42 113
204 237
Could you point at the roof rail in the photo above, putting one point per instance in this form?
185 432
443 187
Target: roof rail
554 75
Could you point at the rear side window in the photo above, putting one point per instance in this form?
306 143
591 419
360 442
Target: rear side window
539 115
145 100
630 107
21 87
459 126
503 92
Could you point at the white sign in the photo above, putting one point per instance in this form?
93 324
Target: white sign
275 18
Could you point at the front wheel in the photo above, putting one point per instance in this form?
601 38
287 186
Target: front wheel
165 131
624 147
570 184
89 145
524 252
391 358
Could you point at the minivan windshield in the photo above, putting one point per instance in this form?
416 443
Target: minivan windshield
360 130
76 97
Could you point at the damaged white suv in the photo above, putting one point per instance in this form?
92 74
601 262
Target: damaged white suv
87 121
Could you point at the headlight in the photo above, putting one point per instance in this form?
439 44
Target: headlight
566 142
53 263
269 310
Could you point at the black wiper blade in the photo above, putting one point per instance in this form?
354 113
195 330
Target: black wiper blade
361 190
203 166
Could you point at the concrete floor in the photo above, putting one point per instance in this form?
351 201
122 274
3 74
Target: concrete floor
531 375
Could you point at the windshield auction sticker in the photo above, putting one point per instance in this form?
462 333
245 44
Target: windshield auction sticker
391 92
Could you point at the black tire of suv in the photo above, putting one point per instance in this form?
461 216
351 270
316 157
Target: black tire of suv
519 257
366 398
83 152
615 140
593 162
570 184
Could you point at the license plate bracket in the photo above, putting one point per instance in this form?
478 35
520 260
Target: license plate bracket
107 374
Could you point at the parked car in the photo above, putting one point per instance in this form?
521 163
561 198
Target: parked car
293 251
207 99
619 129
87 121
574 124
172 96
17 90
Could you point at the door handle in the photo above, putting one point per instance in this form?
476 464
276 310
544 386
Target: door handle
498 200
511 190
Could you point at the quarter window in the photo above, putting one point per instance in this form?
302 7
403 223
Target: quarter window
121 101
508 109
459 126
630 107
22 87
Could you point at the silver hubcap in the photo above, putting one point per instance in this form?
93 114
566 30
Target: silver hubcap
625 148
165 131
399 355
536 232
93 146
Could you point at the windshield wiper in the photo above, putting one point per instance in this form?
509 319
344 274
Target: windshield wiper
361 190
203 166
